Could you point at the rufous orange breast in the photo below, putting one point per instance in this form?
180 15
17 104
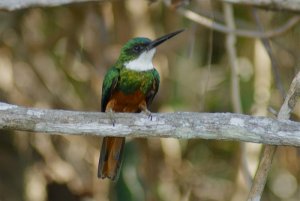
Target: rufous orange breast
121 102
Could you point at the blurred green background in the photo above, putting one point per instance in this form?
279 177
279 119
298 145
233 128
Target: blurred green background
56 58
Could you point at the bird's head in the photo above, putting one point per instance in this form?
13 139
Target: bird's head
137 53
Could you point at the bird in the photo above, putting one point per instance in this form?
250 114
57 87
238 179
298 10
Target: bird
128 86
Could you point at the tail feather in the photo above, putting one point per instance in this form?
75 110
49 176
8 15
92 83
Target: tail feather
111 157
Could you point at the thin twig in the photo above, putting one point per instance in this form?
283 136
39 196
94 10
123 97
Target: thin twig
267 45
289 5
238 32
235 84
263 169
232 56
269 151
209 58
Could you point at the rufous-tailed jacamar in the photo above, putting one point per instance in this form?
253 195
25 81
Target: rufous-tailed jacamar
129 86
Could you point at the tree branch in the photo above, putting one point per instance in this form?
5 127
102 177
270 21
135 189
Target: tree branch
209 23
232 57
11 5
269 151
291 5
220 126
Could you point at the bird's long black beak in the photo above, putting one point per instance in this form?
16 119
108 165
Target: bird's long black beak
162 39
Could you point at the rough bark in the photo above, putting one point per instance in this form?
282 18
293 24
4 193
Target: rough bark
220 126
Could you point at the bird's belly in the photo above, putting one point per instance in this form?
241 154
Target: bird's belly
121 102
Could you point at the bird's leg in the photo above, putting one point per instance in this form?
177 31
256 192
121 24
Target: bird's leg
148 113
109 110
143 107
111 115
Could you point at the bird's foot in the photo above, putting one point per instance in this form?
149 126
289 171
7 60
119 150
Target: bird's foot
148 113
143 107
112 118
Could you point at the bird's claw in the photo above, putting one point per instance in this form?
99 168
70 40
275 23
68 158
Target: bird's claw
146 111
149 114
113 121
112 117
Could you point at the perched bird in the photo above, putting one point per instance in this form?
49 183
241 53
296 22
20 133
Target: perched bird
129 86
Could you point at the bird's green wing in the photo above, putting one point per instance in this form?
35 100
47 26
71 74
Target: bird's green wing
152 92
109 84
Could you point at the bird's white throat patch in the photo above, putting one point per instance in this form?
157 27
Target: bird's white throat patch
143 62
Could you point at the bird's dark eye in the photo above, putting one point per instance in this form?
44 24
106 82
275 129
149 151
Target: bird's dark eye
137 48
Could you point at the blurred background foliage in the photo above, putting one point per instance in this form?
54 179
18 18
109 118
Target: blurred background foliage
57 57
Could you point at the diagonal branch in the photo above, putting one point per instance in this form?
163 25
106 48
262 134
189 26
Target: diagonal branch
187 125
269 151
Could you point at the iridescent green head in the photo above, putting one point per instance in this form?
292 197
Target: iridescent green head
137 53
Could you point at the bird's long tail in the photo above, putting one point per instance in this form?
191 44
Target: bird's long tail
111 157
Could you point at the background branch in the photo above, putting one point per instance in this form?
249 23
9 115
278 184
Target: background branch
235 83
290 5
269 151
267 44
221 126
209 23
21 4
